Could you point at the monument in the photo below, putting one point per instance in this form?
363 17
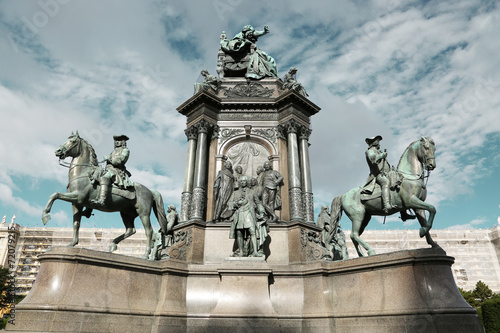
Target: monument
246 253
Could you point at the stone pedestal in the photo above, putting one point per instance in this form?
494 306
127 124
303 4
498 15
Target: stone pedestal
79 290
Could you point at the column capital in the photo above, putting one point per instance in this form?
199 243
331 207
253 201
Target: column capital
191 132
304 132
292 126
202 126
281 132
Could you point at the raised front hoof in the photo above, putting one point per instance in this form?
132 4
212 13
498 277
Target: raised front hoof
372 253
423 231
45 218
113 247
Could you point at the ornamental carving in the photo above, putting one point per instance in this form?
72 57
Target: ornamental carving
295 194
228 133
182 244
185 205
268 133
311 245
248 90
307 199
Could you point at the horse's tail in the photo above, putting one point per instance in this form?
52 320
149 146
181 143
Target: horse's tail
159 210
336 212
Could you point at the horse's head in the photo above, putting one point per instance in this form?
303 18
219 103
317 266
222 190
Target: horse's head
70 147
427 153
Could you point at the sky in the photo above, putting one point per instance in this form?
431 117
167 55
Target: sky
396 68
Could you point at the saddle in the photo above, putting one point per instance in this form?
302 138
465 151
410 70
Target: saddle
372 190
128 193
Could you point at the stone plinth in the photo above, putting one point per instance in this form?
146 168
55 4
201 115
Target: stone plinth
79 290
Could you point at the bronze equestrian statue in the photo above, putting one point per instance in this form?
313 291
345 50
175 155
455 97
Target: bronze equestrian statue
84 192
409 193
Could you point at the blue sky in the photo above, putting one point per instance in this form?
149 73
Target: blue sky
395 68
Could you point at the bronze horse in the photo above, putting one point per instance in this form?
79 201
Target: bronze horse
81 190
412 192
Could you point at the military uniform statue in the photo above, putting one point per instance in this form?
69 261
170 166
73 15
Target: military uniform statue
271 196
379 168
115 172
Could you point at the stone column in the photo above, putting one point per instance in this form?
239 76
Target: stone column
307 194
200 172
187 191
294 178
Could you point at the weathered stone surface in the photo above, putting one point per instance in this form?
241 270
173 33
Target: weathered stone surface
80 290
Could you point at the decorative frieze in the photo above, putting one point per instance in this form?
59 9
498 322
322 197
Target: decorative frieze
268 133
246 90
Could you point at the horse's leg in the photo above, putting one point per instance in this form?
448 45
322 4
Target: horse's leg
416 204
357 214
77 217
356 235
423 221
146 222
128 221
70 197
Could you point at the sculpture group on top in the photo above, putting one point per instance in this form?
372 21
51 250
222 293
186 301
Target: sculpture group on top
240 57
249 204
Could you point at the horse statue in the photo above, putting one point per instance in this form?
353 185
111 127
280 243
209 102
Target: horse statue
410 193
82 189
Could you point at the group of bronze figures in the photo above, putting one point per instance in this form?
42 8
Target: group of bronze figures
249 204
240 56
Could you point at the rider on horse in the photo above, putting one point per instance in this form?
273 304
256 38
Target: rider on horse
115 171
379 168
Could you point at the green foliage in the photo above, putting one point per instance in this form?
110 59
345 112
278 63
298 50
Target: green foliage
4 287
3 323
482 292
491 315
469 298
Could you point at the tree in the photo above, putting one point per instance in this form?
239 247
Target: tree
482 292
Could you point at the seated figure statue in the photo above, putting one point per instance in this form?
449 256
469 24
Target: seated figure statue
241 57
290 82
209 82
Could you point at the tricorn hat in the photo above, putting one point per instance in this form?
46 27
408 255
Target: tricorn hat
120 137
369 141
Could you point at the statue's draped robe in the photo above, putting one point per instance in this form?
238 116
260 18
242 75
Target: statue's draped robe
261 64
210 81
326 232
223 189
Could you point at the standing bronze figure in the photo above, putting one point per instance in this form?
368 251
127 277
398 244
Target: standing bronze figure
83 191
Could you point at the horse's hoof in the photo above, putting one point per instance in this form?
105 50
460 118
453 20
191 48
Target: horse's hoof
372 253
422 232
45 218
72 244
113 247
